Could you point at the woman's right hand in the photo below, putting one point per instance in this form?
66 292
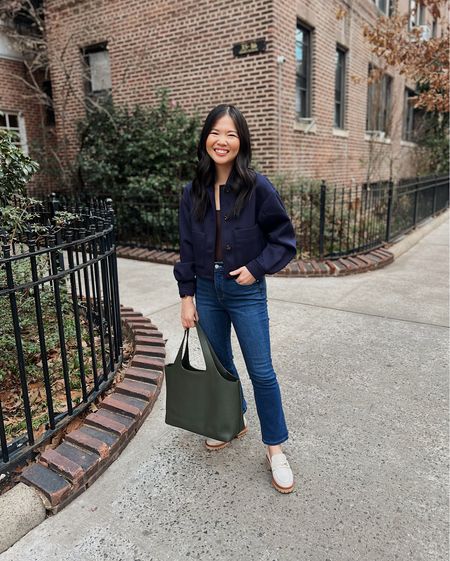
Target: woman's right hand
189 313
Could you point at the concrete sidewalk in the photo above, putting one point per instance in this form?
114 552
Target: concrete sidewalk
362 365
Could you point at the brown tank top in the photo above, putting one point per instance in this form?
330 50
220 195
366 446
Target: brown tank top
218 254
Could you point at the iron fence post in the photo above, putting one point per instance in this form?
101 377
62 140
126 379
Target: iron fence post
323 191
31 241
416 198
57 283
433 212
17 337
115 276
54 204
3 441
389 210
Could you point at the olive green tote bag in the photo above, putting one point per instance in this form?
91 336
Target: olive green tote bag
206 402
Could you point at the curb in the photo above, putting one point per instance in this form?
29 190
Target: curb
360 263
59 475
409 240
143 254
368 261
21 509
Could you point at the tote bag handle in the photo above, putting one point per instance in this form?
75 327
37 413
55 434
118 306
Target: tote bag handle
209 356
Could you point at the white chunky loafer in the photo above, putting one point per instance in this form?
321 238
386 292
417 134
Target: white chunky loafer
213 444
282 477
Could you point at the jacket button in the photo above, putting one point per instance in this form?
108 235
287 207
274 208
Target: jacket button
225 217
227 189
228 246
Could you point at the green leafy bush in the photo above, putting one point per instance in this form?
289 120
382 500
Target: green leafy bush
140 157
19 212
135 151
16 170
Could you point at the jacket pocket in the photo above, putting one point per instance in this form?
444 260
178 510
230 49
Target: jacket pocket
245 233
248 243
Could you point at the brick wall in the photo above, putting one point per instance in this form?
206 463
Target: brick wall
16 97
324 153
181 45
186 46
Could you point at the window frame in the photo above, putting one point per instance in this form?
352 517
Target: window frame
87 75
20 130
421 14
50 120
434 27
387 10
340 51
419 17
408 115
306 46
412 17
411 117
383 89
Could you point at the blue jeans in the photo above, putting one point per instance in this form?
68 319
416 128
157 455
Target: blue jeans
223 302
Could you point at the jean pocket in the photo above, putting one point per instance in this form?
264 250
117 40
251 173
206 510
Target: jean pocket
257 288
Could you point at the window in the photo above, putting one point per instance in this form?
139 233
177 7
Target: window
383 5
13 123
379 102
303 71
98 76
434 28
49 112
417 18
412 117
421 14
412 14
339 88
417 14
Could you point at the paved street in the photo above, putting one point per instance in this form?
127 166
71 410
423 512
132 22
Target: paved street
362 365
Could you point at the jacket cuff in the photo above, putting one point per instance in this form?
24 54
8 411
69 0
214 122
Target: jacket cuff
255 269
186 288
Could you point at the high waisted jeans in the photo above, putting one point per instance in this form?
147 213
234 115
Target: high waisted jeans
224 301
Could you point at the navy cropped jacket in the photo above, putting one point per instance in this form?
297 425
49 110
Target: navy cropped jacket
261 238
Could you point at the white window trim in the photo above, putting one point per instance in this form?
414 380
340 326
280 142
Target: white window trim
23 134
7 50
388 5
21 127
343 133
306 124
377 136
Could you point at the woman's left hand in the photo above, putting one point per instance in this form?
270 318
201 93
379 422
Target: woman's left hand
244 276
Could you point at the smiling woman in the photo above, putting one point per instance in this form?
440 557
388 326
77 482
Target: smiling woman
222 145
233 230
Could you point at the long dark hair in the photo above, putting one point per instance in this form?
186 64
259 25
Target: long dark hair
244 177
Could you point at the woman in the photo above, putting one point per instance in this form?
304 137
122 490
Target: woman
233 230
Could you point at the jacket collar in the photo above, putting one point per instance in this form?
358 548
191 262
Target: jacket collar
228 182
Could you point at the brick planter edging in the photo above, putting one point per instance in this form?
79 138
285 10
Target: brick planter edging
360 263
62 473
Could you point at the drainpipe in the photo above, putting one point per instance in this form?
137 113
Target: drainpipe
280 61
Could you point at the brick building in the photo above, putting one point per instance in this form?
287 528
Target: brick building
19 112
296 69
22 113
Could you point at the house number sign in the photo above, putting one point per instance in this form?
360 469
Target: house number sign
251 47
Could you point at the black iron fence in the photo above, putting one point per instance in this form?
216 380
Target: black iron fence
332 221
329 221
60 327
